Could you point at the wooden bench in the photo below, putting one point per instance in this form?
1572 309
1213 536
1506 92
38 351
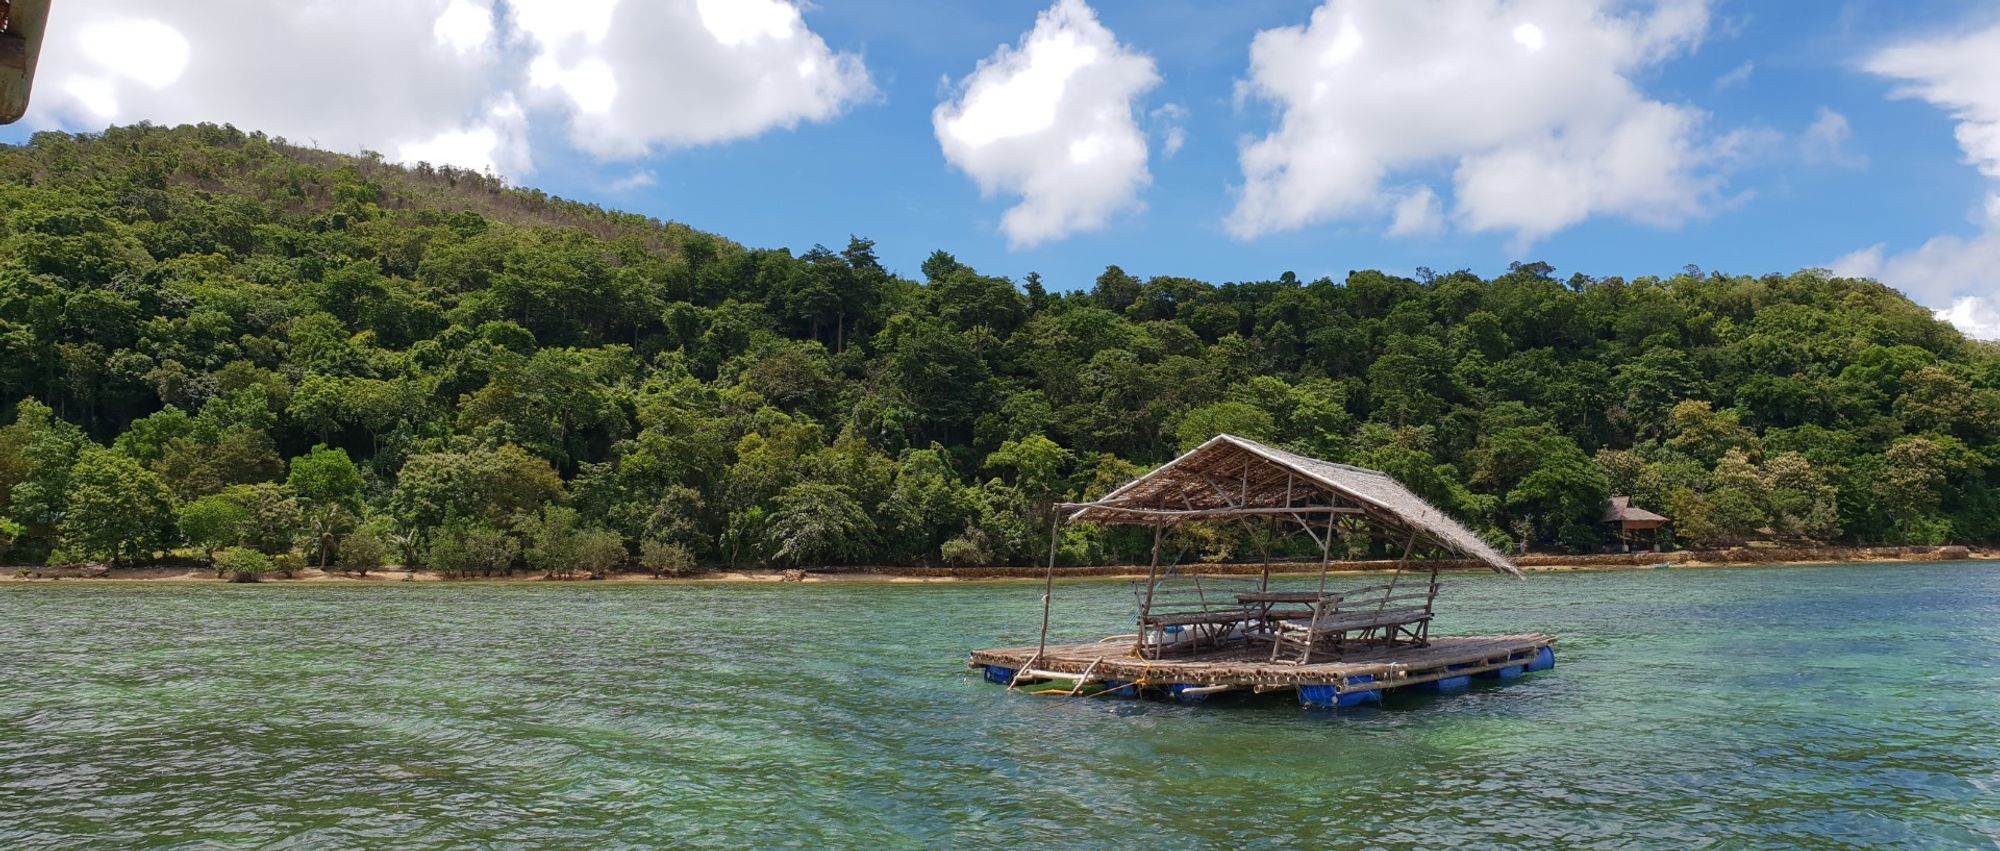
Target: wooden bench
1198 611
1386 613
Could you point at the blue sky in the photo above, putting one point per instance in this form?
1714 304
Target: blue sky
1220 141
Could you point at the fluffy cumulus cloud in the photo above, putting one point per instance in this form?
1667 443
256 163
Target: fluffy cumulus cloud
1825 142
638 74
413 79
1419 213
1959 73
1958 276
1530 103
447 81
1052 119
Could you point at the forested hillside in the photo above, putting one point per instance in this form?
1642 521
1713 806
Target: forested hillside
500 379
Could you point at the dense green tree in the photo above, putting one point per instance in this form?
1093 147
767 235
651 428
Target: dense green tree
465 549
117 510
928 504
243 564
360 551
1037 466
10 532
489 487
666 558
328 487
326 477
217 521
210 302
38 455
1237 418
560 545
816 524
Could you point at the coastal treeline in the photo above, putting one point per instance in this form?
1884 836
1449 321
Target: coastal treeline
219 343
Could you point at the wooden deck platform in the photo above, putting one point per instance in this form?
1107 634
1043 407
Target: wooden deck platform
1362 671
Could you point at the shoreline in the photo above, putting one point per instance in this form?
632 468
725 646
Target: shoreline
1702 560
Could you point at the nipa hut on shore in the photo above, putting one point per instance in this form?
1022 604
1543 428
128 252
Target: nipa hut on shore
1198 635
1633 524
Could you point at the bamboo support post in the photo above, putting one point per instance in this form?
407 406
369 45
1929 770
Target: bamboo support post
1152 583
1049 580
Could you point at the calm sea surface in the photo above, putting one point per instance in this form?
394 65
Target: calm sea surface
1768 707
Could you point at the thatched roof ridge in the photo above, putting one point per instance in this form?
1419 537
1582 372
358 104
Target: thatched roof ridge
1230 475
1621 510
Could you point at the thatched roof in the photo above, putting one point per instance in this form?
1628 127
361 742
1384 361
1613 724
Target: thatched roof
1230 476
1624 513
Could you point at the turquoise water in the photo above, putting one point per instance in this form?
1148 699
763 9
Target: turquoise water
1822 706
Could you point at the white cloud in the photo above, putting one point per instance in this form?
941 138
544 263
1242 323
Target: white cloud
636 180
1977 316
142 50
1051 120
491 145
408 77
1531 101
1959 73
1171 119
1825 142
444 80
641 74
1736 76
464 26
1419 213
1959 273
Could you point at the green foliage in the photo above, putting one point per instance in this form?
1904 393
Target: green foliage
599 551
328 486
10 532
462 550
326 477
1038 465
242 564
452 355
561 546
217 521
663 558
41 454
117 510
1237 418
927 505
817 523
361 551
488 487
262 517
968 550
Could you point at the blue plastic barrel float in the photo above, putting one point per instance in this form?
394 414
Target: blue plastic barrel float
1544 659
1327 696
1458 683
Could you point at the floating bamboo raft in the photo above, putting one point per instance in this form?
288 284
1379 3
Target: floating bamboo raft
1202 635
1361 675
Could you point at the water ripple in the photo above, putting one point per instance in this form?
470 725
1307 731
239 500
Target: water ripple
1839 706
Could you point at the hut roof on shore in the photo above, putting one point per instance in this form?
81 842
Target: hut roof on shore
1623 512
1230 476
